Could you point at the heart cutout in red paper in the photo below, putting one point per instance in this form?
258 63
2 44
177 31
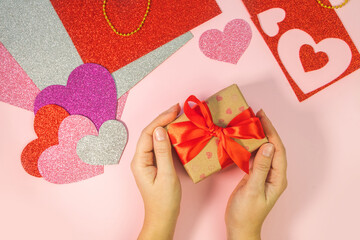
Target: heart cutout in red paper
46 125
312 60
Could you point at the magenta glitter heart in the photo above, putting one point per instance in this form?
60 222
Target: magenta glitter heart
227 46
90 92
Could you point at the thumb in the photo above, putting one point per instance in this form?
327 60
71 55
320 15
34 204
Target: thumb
262 165
162 149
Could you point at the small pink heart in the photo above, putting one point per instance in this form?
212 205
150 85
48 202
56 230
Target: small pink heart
217 141
228 111
221 121
241 109
227 46
60 164
208 155
202 175
219 98
247 147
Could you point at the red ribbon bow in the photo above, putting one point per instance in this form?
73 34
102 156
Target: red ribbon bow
190 137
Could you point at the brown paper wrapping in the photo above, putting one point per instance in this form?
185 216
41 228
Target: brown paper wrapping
224 106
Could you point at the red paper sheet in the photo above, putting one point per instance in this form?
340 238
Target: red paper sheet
97 43
298 28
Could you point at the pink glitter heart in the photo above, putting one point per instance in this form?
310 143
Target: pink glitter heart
60 164
227 46
208 155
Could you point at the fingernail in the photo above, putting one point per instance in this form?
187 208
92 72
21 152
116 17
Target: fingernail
160 134
268 150
172 108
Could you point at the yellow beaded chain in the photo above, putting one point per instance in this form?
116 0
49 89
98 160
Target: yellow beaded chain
332 7
130 33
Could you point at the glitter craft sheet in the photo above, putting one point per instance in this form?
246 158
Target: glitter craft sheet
34 35
309 42
16 88
129 75
96 41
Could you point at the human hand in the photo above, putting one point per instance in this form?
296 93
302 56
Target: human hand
155 176
257 193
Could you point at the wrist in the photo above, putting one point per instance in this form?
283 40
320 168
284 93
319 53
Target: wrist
243 234
158 228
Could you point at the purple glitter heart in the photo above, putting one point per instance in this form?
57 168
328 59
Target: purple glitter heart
90 91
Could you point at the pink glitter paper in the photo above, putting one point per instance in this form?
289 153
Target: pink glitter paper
121 105
16 88
60 164
227 46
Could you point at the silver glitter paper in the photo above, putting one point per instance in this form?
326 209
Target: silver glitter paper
132 73
107 147
33 33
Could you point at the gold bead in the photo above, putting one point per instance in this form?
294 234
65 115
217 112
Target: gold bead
139 27
332 7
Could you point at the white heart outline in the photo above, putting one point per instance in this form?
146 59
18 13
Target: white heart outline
337 50
271 28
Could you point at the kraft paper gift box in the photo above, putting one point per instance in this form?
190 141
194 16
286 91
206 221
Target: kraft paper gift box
224 106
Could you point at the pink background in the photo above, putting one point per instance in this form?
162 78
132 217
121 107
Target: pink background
321 202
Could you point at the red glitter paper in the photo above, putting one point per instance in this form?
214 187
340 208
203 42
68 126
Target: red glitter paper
96 42
309 17
46 125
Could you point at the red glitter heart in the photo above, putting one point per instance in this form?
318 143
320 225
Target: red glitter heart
46 125
312 60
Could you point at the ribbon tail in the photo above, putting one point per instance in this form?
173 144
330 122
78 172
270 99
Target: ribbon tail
233 152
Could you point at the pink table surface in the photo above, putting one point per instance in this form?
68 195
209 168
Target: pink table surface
321 202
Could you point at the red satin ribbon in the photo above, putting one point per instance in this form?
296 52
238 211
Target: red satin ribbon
190 137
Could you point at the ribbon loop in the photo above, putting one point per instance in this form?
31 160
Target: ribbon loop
190 137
